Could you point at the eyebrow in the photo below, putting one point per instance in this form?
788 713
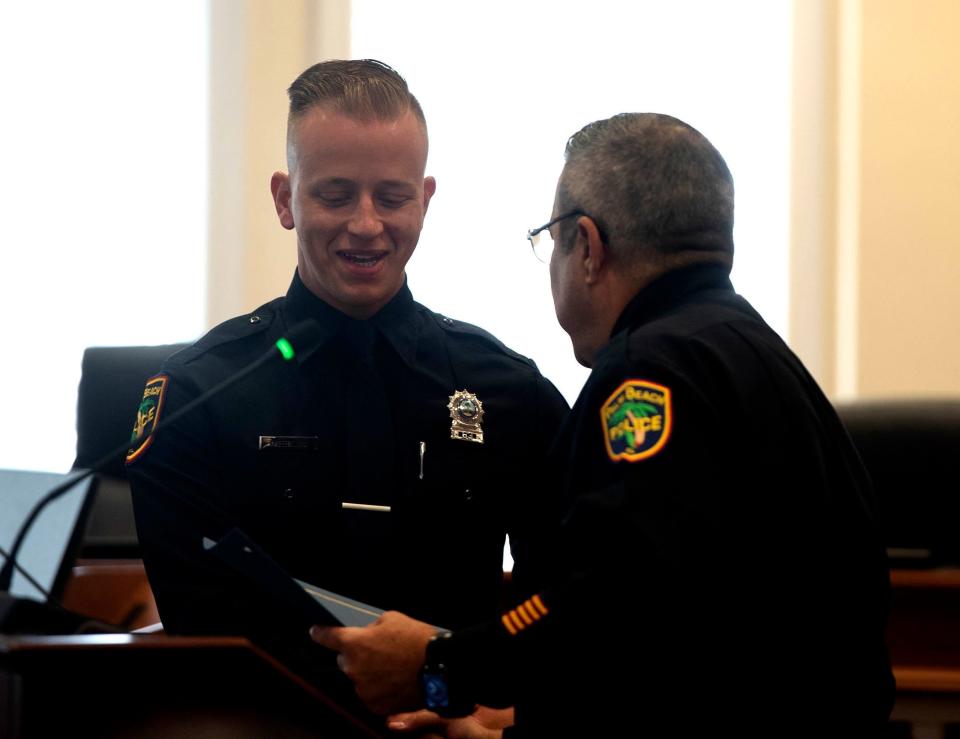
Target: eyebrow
396 183
333 182
346 182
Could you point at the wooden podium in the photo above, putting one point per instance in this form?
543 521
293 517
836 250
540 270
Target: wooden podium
137 686
117 685
923 636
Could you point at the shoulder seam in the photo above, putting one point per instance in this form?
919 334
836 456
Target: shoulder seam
233 329
469 329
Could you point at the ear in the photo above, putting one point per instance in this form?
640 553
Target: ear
280 187
591 248
429 187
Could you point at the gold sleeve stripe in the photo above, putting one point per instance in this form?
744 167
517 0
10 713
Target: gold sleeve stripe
539 604
528 608
523 614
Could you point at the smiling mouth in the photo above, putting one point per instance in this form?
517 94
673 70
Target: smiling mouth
362 259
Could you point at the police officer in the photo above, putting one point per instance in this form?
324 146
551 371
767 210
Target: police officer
388 459
719 563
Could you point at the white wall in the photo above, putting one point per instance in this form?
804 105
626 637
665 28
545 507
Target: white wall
504 84
102 199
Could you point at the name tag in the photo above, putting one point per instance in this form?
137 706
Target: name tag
307 443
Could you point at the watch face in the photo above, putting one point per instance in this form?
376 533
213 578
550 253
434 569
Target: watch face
435 692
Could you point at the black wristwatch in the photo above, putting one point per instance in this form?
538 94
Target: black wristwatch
440 693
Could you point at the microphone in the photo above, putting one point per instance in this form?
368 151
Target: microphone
283 346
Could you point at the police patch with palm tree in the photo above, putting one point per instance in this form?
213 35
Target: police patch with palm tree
148 415
637 419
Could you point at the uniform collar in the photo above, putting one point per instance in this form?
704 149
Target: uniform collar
396 321
672 289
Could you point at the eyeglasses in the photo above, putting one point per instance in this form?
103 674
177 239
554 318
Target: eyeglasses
541 240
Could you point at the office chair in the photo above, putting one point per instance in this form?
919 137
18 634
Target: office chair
911 449
111 386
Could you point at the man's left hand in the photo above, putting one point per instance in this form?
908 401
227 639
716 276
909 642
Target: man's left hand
483 723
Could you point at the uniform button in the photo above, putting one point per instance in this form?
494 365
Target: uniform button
448 321
467 495
254 319
289 493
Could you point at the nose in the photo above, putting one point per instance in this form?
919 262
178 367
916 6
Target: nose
365 222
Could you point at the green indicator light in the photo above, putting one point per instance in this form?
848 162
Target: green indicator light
285 348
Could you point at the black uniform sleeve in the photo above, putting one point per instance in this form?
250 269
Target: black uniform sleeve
175 489
609 559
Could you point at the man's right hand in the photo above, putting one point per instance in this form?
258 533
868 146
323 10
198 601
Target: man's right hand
383 659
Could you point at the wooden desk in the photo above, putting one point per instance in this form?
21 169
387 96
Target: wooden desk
114 591
137 686
923 636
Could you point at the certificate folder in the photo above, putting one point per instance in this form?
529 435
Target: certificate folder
302 601
348 611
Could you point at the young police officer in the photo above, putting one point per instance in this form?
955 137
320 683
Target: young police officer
389 458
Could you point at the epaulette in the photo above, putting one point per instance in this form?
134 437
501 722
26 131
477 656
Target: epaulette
468 329
234 329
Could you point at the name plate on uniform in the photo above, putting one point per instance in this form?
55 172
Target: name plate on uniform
306 443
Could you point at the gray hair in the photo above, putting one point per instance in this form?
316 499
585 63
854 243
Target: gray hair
657 188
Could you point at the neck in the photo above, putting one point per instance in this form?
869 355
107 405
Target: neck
609 297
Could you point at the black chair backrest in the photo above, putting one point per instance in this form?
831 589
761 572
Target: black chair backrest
911 449
111 386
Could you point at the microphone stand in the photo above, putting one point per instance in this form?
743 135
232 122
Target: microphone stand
285 349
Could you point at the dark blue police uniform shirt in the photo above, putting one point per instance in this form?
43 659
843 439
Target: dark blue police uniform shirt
363 398
719 562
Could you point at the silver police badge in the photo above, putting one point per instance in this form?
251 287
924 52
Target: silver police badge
466 410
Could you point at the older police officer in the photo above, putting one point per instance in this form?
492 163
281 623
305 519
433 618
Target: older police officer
718 564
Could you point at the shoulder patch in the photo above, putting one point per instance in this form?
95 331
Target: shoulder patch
637 419
148 415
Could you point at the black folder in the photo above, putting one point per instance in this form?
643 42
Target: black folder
301 601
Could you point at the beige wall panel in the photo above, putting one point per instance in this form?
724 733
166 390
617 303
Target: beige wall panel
258 47
909 225
813 188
